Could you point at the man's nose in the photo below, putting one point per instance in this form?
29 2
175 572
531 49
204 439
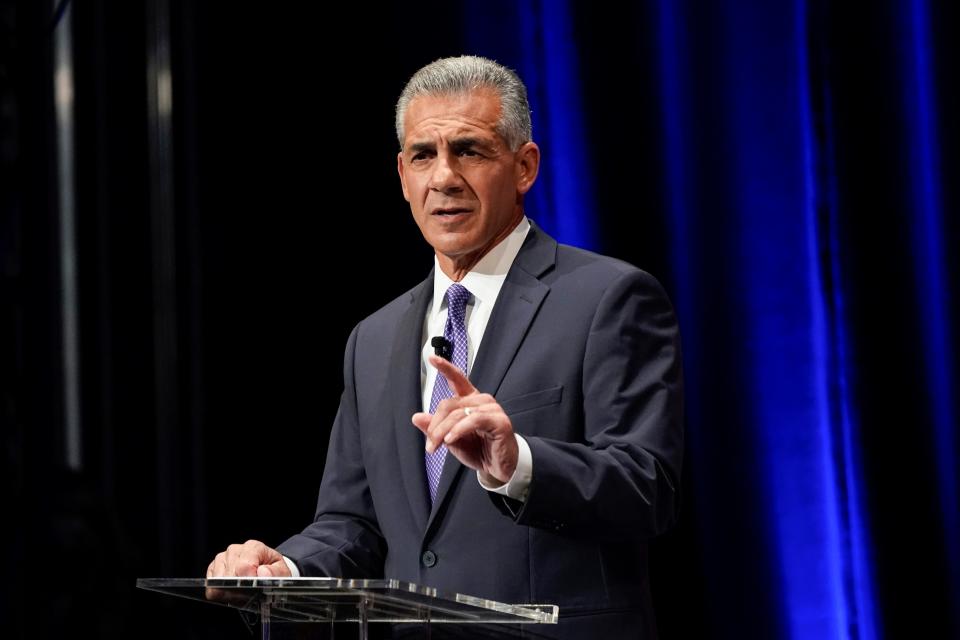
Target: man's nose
446 174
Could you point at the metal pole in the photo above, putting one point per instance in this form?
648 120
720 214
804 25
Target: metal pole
163 238
63 83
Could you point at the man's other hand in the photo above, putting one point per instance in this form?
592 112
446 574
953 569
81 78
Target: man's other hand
251 559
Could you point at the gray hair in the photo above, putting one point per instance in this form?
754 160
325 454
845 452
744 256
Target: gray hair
454 76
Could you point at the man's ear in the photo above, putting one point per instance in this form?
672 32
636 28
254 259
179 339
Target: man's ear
403 182
528 165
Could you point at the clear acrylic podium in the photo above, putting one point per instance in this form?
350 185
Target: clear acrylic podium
337 600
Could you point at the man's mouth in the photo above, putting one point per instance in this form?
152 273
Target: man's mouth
450 212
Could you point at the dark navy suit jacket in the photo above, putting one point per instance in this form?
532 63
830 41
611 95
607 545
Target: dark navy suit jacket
582 352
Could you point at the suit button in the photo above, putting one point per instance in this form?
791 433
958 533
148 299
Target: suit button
429 558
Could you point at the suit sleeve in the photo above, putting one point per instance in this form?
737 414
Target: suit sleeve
344 539
622 480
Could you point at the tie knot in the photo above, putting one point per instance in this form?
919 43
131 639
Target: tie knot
457 296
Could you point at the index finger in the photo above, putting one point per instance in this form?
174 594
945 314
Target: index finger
457 380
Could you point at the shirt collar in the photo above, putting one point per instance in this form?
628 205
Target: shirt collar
486 278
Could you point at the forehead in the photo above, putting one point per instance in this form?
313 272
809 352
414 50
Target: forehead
429 116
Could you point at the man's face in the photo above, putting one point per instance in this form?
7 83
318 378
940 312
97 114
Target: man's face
464 185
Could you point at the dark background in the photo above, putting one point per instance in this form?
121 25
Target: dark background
212 332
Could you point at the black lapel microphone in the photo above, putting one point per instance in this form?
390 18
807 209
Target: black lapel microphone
442 347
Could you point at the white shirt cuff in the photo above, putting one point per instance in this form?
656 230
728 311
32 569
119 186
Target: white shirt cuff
519 484
294 571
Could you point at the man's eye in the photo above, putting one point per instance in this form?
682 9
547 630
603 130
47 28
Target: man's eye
468 152
422 155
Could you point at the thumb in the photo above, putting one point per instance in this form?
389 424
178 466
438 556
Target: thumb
278 569
422 421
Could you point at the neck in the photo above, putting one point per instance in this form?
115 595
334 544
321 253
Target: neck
456 267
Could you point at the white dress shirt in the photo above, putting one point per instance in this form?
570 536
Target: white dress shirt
484 282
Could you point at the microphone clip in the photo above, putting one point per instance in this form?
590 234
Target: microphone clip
442 347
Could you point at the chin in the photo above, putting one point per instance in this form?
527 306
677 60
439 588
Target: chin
452 252
452 247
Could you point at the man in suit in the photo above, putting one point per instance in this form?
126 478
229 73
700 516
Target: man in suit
534 463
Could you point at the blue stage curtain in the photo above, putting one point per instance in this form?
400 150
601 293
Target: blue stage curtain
797 162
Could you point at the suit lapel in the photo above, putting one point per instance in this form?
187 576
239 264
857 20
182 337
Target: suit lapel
516 306
406 400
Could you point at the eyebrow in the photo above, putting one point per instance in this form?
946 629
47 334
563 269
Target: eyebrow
417 147
457 144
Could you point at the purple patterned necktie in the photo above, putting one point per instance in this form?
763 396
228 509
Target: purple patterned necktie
456 333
